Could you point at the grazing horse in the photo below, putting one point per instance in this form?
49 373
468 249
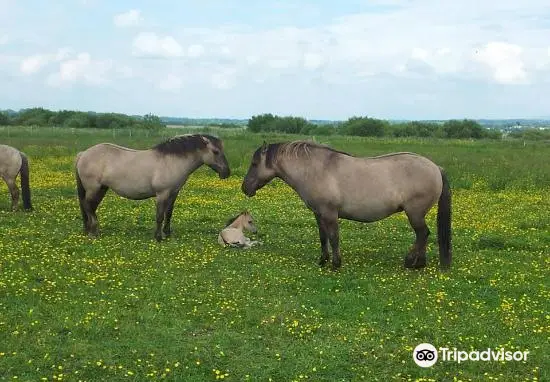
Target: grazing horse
233 235
12 163
141 174
334 184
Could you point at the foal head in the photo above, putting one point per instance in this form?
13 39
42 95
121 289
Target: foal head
261 169
246 222
243 221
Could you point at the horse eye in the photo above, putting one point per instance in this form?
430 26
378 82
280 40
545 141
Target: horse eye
216 152
250 222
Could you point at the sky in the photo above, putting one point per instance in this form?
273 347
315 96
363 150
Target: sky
319 59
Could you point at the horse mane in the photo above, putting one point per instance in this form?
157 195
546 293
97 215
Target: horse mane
296 149
185 144
231 220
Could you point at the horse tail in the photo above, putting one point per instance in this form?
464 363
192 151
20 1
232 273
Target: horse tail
25 186
444 223
81 191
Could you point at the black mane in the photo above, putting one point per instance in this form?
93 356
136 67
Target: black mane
275 149
184 144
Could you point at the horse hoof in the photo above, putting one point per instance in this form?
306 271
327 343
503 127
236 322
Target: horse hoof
420 263
415 262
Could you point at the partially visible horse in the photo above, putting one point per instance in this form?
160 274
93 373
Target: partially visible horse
233 235
334 184
141 174
12 163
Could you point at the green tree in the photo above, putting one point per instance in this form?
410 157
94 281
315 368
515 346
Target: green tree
365 127
4 119
259 123
151 121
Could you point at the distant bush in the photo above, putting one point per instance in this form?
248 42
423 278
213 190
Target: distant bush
372 127
78 119
531 134
365 127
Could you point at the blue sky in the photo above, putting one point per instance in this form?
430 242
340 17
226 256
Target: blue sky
410 59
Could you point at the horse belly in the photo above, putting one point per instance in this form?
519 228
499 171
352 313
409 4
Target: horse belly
135 191
366 211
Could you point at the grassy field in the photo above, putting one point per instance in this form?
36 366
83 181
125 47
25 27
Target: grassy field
123 307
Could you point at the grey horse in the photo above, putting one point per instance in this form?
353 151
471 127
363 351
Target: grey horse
335 184
12 163
140 174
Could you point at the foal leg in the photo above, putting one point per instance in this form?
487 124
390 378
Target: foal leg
324 240
416 257
14 192
168 215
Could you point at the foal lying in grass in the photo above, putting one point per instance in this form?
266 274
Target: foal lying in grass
233 235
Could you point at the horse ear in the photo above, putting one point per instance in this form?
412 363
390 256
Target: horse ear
264 147
206 140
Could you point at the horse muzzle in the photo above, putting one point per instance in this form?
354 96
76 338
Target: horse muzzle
224 173
248 190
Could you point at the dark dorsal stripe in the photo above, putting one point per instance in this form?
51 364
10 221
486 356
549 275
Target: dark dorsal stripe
184 144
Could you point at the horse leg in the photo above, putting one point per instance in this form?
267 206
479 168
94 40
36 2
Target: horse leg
93 204
162 203
324 240
334 238
416 257
14 191
89 204
168 216
330 224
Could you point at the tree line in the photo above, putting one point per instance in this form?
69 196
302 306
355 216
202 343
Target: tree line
78 119
372 127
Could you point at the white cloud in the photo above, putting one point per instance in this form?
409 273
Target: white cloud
128 19
223 79
505 61
81 68
33 64
313 61
148 44
379 43
195 50
171 82
36 62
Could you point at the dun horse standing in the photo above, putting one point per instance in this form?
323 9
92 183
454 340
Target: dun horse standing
140 174
334 184
12 163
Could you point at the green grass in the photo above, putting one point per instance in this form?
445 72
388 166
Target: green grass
123 307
